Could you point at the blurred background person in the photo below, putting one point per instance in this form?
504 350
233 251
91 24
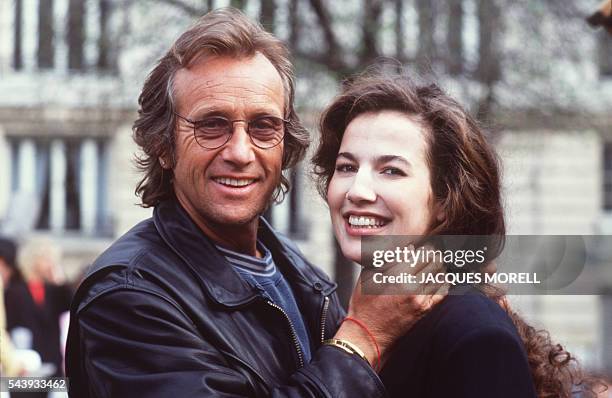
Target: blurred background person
10 365
8 265
35 303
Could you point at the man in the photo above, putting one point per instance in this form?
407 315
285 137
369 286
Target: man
205 299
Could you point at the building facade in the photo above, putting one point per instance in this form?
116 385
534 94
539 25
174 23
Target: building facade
68 98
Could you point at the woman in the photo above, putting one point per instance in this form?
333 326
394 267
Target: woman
37 301
400 159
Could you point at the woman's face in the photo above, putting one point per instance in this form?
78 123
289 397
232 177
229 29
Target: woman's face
381 184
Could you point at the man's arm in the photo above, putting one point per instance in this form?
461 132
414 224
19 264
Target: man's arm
139 344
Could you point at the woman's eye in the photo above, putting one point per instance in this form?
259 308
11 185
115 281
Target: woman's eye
345 168
393 171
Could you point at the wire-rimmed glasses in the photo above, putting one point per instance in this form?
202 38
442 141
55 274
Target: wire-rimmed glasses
213 132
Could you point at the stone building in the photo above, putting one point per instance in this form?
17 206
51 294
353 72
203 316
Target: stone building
68 99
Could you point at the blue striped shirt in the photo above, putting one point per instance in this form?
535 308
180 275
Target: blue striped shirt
263 274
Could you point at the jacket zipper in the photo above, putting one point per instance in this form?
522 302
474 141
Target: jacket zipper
293 333
324 317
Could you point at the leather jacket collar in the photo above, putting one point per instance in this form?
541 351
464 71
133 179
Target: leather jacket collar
217 277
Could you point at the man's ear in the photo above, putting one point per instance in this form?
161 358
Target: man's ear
164 163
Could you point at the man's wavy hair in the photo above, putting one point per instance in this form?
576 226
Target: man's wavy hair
465 181
223 32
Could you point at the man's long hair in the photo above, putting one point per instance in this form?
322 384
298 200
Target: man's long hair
223 32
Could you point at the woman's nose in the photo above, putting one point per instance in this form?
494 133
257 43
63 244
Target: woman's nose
362 189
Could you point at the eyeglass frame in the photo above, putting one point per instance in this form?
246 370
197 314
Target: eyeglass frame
232 121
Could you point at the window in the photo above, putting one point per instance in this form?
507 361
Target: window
73 34
17 32
607 176
605 53
59 184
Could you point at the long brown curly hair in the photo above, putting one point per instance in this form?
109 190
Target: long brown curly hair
465 179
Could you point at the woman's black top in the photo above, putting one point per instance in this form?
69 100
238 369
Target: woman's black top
467 346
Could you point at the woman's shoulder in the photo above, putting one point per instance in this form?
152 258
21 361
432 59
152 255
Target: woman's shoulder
464 315
468 308
471 322
465 346
466 325
465 342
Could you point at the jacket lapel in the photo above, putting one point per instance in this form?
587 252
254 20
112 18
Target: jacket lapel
217 277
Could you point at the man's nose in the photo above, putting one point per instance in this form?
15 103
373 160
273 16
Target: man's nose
362 188
239 149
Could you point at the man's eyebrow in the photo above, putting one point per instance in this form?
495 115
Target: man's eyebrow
208 110
221 110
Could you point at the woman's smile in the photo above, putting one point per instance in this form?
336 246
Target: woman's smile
381 184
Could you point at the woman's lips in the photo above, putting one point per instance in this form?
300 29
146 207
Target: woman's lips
358 225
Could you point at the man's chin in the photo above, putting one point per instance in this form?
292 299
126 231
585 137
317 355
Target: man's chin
237 217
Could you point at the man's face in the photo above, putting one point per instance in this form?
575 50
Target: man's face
205 180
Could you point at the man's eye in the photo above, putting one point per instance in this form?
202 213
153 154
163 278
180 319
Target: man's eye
345 168
266 123
393 171
213 123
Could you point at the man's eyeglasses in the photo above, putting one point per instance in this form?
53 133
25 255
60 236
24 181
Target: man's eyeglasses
215 131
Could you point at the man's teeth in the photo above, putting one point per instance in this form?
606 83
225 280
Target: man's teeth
233 182
368 222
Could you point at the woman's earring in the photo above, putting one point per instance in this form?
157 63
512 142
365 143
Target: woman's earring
162 162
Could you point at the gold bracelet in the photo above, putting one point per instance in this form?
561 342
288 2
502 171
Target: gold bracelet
347 346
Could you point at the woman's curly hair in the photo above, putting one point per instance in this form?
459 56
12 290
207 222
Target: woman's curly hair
465 180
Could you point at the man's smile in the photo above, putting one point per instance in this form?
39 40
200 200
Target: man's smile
234 182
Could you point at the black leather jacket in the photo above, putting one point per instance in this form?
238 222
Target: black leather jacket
162 314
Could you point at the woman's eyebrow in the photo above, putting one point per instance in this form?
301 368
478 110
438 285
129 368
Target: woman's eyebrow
378 160
347 155
390 158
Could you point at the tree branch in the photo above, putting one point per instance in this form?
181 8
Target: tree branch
399 28
188 9
341 68
294 24
334 51
372 10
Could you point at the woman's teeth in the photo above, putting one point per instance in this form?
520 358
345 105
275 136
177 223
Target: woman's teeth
365 222
233 182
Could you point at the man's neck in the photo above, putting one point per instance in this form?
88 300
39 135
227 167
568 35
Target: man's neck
241 238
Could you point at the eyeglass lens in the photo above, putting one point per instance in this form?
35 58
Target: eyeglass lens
215 131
